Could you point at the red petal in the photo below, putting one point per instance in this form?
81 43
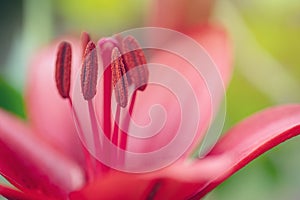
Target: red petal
29 164
252 137
115 185
11 193
164 184
238 147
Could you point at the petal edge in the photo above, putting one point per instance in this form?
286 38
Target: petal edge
31 164
253 137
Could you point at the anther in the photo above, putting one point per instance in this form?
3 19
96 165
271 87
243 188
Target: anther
63 69
119 79
85 39
135 63
89 71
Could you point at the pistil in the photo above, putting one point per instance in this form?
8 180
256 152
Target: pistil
105 48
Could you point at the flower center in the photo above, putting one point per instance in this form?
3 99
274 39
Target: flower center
127 67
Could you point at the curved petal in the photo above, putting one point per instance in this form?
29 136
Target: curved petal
30 164
238 147
114 185
182 179
49 114
163 184
252 137
11 193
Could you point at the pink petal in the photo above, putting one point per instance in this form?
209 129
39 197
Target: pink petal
215 41
30 164
49 114
251 138
238 147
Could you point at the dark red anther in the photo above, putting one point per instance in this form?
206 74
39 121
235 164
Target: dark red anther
63 69
89 71
119 79
135 62
85 39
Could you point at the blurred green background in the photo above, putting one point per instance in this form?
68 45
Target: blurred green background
266 42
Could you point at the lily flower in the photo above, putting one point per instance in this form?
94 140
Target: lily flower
58 154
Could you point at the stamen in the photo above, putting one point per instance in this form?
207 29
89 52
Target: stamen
63 69
85 39
88 85
89 72
119 79
134 57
